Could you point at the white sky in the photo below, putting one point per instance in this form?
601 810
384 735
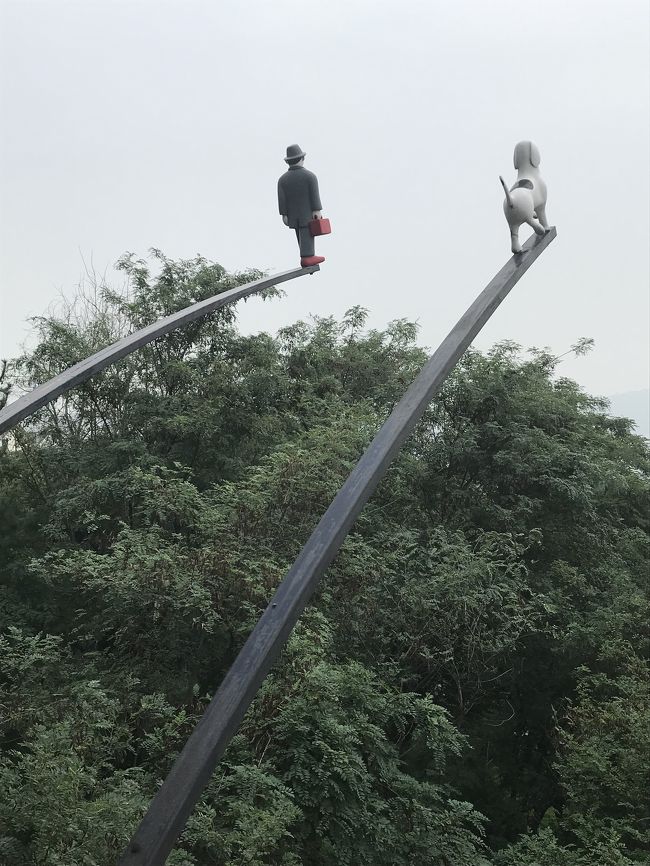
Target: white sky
127 125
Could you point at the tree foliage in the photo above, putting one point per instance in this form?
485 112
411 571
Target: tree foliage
471 682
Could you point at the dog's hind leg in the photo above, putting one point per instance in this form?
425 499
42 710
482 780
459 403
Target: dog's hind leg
541 215
537 226
515 246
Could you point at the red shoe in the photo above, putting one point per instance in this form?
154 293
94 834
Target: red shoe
308 261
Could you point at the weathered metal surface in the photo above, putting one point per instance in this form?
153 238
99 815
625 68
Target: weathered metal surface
171 806
16 412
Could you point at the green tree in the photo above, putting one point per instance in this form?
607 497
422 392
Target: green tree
478 648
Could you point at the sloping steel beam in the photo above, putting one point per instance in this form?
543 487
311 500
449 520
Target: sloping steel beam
84 370
172 804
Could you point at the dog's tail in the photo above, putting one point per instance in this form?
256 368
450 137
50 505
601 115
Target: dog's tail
507 192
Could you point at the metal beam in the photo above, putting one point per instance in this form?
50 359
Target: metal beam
84 370
172 804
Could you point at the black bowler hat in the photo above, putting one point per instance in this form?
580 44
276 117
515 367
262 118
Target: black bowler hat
294 151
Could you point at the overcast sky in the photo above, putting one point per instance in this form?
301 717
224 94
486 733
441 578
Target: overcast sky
128 124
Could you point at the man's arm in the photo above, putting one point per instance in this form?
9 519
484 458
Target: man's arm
282 199
314 194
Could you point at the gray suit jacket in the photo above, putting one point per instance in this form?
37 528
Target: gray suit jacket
298 195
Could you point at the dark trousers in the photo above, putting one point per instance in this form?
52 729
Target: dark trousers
305 241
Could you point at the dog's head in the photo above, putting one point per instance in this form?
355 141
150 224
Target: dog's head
526 154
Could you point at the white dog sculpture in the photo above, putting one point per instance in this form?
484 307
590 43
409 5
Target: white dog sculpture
526 200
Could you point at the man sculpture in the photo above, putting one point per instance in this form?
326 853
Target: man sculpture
299 203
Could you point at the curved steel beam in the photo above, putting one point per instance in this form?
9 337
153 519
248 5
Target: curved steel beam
172 804
84 370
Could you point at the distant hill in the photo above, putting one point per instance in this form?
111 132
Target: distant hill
635 405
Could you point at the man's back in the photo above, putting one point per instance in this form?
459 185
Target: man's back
298 195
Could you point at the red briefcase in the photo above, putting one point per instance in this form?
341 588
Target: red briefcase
319 226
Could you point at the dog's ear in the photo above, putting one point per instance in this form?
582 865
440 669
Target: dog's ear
535 158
